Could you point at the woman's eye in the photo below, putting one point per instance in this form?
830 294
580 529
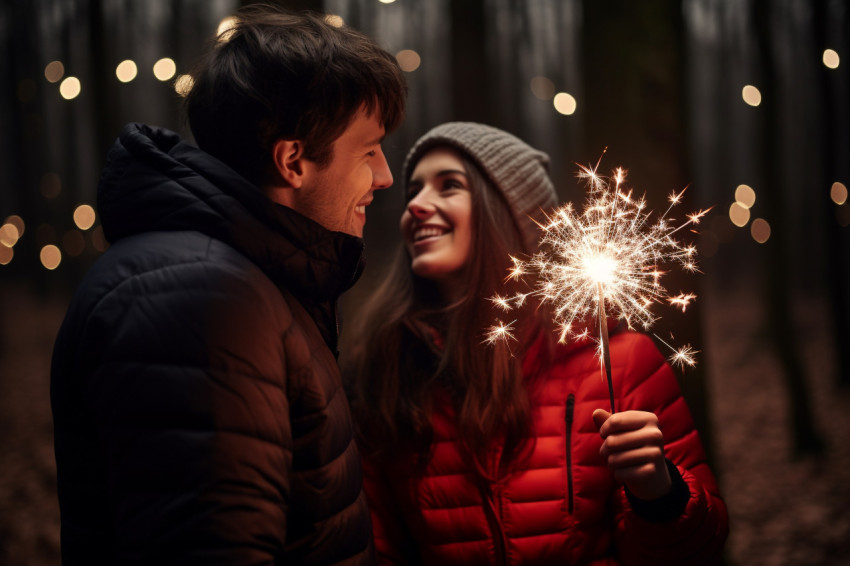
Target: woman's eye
452 184
413 190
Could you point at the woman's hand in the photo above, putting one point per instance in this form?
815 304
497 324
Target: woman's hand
633 446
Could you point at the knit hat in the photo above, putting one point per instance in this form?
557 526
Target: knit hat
518 171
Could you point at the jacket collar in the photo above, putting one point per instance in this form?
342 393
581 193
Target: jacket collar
154 181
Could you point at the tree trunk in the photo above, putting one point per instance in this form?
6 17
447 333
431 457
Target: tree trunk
776 292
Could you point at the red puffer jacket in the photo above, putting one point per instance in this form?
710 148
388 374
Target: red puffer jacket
563 506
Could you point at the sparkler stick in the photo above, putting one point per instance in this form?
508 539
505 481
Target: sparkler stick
610 253
606 350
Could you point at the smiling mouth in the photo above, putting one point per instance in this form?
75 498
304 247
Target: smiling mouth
360 209
426 232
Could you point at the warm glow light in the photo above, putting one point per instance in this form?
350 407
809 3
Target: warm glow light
17 222
564 103
6 255
838 193
70 88
126 71
600 268
386 1
408 60
739 215
542 88
760 230
335 20
831 58
54 71
604 262
745 196
183 84
9 235
84 217
751 95
98 240
50 256
73 242
164 69
225 27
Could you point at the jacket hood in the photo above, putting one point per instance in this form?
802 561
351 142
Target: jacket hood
154 181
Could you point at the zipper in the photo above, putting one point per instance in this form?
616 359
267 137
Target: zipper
568 447
494 520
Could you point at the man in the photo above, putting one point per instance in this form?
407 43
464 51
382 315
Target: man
198 408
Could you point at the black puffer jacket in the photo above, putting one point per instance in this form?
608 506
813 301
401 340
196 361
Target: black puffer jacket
198 409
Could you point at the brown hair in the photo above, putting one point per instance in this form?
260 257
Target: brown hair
395 368
278 75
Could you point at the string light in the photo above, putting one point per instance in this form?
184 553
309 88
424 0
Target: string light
751 95
564 103
70 88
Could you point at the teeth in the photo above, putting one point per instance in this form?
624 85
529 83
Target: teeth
428 232
360 209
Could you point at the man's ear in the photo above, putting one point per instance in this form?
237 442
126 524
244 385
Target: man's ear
288 157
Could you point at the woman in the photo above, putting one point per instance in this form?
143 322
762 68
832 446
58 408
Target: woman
478 454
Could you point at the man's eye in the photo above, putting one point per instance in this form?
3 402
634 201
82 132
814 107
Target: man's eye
372 153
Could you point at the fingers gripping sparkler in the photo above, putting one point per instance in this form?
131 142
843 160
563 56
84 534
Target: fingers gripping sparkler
604 262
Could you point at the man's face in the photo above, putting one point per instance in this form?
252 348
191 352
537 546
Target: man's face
336 195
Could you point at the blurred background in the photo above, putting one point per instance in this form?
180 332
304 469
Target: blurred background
745 102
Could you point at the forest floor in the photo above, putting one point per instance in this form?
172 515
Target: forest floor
784 510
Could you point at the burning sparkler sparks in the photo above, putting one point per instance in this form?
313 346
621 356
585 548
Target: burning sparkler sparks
605 262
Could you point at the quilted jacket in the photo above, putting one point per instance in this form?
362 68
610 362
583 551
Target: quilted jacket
563 505
198 408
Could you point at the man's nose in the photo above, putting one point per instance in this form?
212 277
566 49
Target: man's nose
382 177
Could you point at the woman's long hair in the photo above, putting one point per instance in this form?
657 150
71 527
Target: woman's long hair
396 366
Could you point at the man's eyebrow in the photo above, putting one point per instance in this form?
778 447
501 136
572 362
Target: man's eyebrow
376 141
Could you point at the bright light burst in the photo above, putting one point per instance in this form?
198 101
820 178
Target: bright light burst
604 262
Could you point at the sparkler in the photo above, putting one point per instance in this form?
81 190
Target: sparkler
604 262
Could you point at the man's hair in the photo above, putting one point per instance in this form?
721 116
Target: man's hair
278 75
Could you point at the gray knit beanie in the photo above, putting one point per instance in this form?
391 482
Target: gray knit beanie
517 170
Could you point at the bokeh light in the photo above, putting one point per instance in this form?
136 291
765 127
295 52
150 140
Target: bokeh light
831 58
27 90
760 230
50 256
6 255
98 240
334 20
745 196
183 84
565 103
9 235
838 193
542 88
751 95
84 216
17 222
50 185
70 88
165 69
739 215
54 71
73 242
225 26
408 60
126 71
386 1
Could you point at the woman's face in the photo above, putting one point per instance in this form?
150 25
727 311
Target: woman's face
437 223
